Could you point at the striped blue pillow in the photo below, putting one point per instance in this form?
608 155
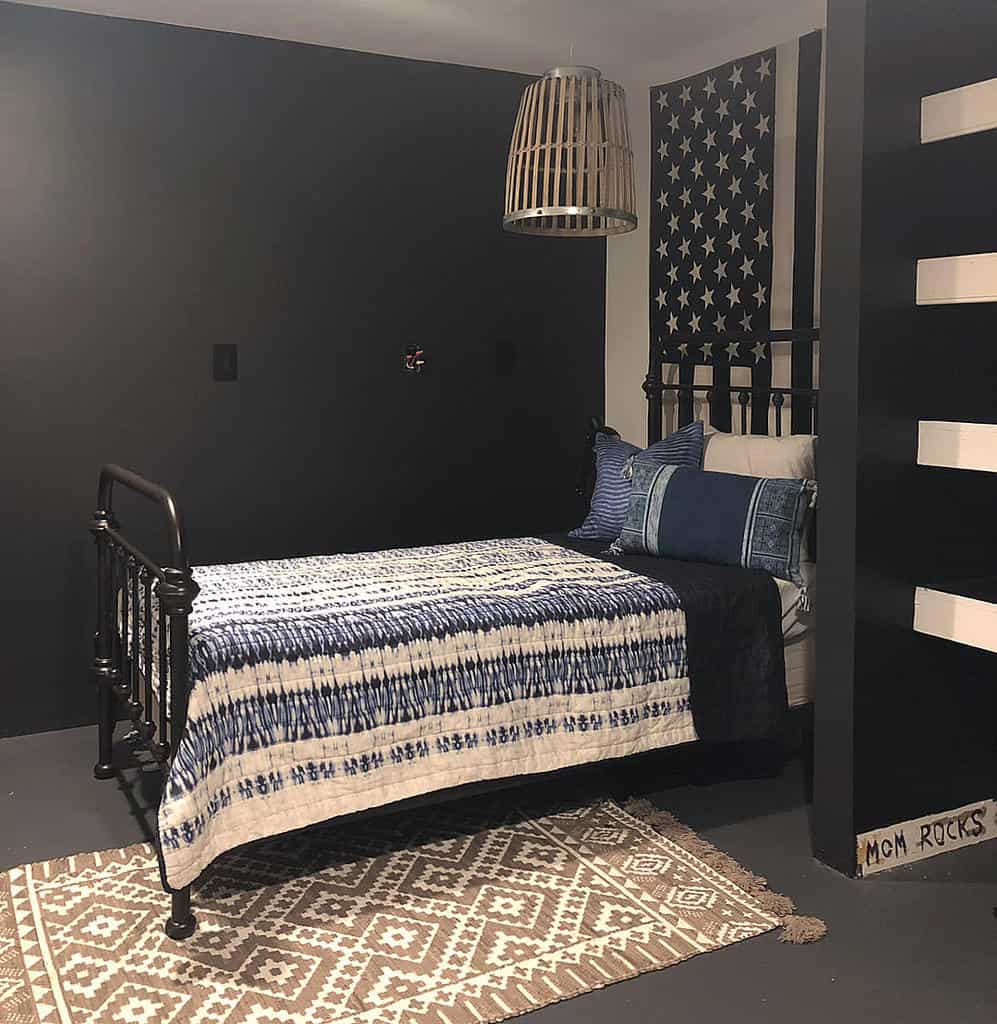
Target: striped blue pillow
723 518
612 488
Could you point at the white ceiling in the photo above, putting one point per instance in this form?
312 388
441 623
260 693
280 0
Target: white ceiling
630 40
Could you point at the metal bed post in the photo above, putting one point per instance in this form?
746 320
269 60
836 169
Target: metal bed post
653 388
177 591
103 668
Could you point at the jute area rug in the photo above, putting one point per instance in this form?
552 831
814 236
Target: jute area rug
466 913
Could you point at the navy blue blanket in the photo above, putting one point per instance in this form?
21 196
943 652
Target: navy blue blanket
734 645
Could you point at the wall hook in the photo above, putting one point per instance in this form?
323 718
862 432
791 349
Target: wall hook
414 360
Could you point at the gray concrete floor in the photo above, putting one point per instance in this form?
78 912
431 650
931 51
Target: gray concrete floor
914 944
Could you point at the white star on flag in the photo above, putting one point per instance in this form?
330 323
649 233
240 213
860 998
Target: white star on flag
720 324
673 273
721 270
708 245
748 213
685 95
710 192
732 349
662 248
662 149
697 221
734 241
707 349
734 296
759 294
762 238
673 122
735 77
745 322
735 132
673 323
749 101
764 66
694 323
685 145
684 248
722 110
697 117
759 350
697 271
661 299
683 298
662 199
707 296
673 223
711 85
662 100
746 266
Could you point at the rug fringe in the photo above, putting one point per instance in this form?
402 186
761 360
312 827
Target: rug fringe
802 929
795 929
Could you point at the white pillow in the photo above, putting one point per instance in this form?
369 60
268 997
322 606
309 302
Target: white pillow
793 457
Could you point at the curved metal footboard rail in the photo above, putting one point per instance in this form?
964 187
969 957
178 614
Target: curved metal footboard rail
141 644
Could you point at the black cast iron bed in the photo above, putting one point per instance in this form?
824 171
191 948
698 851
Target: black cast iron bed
142 658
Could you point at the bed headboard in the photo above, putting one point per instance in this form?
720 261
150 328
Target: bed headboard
675 360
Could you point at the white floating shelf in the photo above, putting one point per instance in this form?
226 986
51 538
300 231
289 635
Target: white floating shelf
971 108
951 279
957 445
966 620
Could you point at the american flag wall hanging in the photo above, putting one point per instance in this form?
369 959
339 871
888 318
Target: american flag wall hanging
735 217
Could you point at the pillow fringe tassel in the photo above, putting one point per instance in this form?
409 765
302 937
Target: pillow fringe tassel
795 928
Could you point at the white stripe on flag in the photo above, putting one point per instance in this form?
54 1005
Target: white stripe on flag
820 190
787 64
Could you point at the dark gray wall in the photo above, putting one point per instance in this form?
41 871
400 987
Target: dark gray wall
164 189
906 724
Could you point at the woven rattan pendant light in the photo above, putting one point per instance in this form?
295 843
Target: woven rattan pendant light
570 168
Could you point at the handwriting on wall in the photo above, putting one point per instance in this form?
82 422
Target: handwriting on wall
912 841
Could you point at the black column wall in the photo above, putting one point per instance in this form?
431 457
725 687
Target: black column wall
906 724
163 190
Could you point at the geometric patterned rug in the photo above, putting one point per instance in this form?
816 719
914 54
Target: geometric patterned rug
468 913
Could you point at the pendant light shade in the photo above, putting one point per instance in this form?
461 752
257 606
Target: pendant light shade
570 168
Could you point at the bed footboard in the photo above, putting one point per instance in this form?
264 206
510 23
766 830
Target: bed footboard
141 644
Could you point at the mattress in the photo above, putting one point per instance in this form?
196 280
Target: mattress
799 636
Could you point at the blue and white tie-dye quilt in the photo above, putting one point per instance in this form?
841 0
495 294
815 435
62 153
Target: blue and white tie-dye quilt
332 684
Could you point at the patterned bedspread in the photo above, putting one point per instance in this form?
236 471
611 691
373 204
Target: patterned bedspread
332 684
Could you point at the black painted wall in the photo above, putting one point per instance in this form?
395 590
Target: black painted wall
165 189
906 724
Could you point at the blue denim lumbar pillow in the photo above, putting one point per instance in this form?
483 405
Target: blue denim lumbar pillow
612 483
723 518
